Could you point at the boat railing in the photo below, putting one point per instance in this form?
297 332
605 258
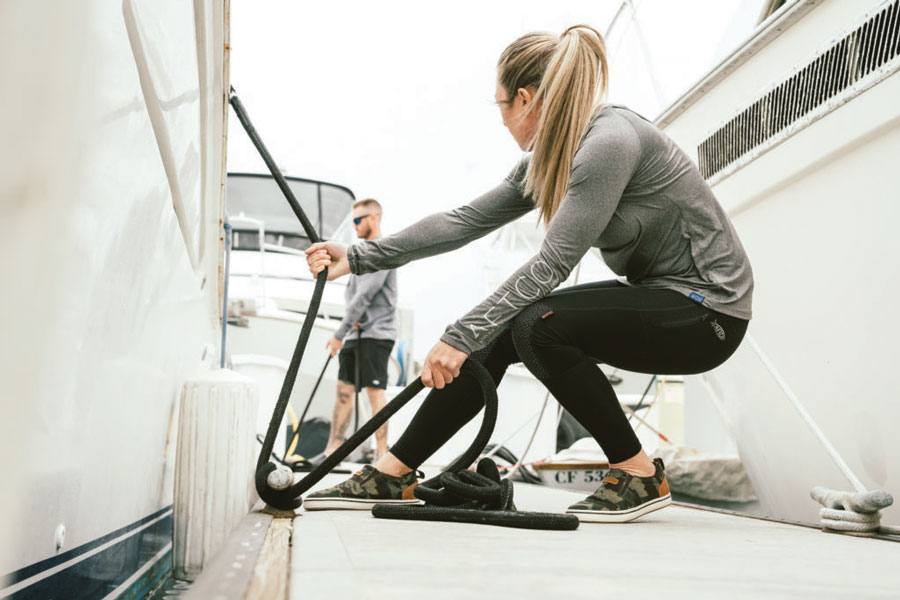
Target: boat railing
283 249
242 218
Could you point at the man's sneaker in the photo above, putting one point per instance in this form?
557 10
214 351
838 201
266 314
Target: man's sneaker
622 497
366 488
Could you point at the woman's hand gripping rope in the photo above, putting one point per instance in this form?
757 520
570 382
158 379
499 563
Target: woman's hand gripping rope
328 254
442 364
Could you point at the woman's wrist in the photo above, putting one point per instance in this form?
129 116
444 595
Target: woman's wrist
352 259
457 343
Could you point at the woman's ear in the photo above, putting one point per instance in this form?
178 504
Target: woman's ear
526 94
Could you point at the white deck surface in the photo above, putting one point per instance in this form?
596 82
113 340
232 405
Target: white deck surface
673 553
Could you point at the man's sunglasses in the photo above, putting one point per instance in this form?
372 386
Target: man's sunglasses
358 220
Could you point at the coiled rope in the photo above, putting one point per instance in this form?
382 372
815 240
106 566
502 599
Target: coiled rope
492 503
473 497
855 513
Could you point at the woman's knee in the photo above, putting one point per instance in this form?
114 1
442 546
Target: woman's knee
553 349
540 345
497 356
546 336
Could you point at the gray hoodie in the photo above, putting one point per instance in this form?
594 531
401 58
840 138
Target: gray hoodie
371 299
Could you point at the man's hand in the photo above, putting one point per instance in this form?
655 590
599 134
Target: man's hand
333 345
442 364
328 254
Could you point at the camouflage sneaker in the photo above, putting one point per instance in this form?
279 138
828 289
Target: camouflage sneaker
366 488
622 497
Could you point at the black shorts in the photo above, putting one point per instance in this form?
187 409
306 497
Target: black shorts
373 362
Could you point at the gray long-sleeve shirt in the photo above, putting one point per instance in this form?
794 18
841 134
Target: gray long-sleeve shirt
633 193
371 300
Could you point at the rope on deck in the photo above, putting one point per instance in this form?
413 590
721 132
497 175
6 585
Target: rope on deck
857 513
478 496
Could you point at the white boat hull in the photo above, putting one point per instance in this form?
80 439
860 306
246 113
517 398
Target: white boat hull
816 212
111 191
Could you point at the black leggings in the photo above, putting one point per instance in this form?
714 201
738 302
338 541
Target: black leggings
653 331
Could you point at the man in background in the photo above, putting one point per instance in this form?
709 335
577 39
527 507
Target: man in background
370 321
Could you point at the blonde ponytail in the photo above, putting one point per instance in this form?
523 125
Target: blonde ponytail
570 75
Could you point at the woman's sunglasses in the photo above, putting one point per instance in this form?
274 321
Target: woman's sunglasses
358 220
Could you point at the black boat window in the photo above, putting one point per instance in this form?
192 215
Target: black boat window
252 200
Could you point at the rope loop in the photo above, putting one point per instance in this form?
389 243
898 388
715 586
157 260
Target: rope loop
478 496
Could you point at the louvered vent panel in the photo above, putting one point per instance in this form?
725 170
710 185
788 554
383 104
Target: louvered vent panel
833 73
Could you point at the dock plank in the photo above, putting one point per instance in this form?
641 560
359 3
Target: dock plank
229 573
272 571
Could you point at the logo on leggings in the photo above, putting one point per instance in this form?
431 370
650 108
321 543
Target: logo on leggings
720 331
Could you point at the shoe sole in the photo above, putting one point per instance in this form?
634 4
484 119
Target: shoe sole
350 503
621 516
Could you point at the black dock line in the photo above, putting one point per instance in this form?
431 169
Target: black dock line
447 492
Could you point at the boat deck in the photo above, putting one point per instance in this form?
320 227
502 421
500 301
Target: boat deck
677 552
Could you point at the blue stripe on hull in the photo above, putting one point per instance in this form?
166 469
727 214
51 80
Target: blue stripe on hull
99 574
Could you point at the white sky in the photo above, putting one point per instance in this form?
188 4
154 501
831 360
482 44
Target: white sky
394 100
